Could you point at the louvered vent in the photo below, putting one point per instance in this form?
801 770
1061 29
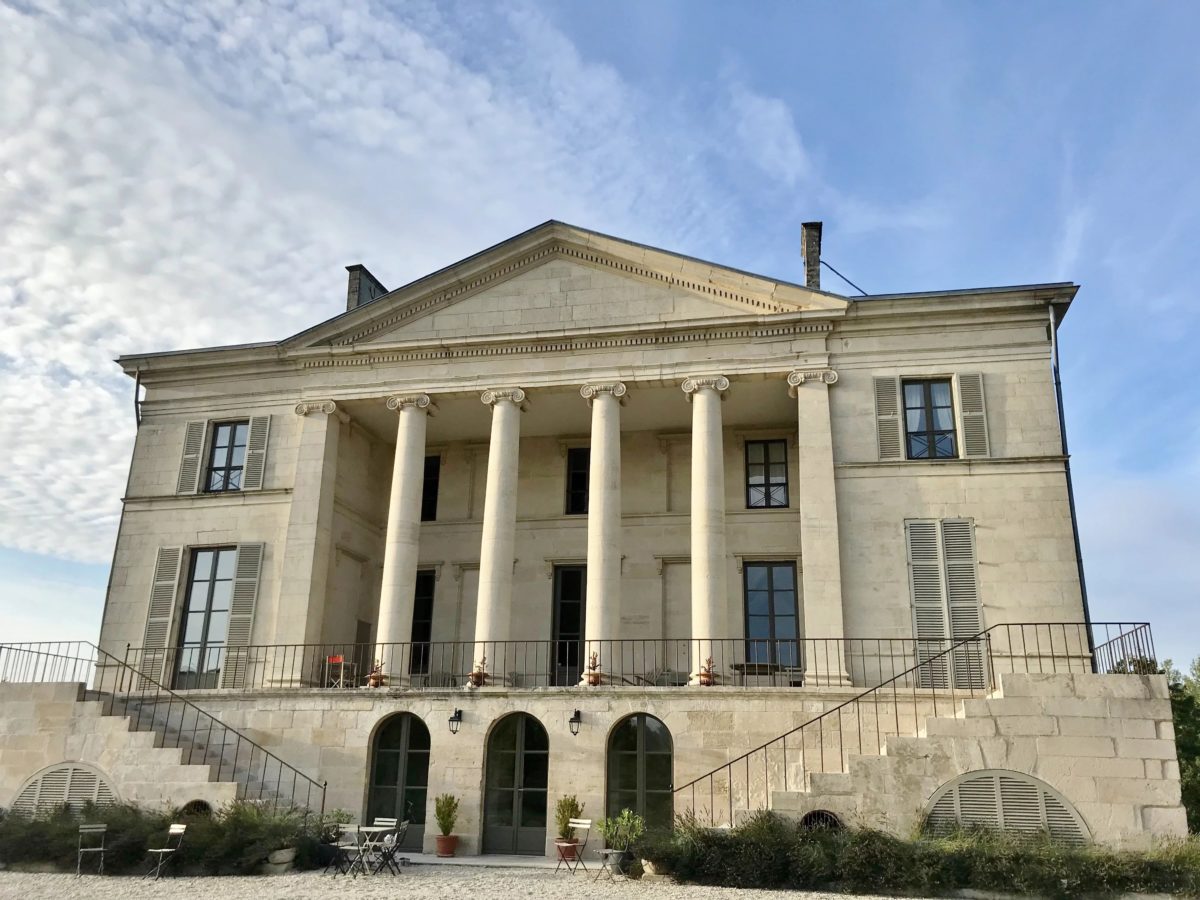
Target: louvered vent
1004 801
72 784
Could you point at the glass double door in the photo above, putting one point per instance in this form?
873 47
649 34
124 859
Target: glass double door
514 802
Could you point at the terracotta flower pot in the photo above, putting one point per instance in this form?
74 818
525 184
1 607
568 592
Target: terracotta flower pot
569 848
447 844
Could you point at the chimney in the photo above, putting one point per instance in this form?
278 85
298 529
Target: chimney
363 287
810 247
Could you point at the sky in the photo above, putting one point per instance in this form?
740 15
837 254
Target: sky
180 173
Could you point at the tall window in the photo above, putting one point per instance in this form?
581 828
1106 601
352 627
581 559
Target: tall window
400 775
227 457
578 462
429 488
422 622
929 419
771 615
639 770
766 474
205 622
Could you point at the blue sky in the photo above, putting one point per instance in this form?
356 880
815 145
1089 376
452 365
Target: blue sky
179 174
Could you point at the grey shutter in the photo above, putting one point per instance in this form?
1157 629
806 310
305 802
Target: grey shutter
161 611
888 432
193 458
973 410
962 600
1021 805
978 803
256 453
246 574
928 602
71 784
1004 801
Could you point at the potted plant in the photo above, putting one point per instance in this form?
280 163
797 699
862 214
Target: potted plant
375 677
567 808
620 833
593 668
445 810
478 675
706 673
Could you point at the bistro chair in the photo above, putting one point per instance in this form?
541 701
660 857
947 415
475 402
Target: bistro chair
162 856
91 840
577 844
386 850
347 853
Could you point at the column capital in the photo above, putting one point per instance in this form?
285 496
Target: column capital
694 383
328 407
492 396
800 377
590 390
398 402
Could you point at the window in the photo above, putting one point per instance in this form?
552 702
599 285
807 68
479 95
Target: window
205 623
766 474
429 488
422 622
400 775
929 419
640 752
772 616
578 462
227 457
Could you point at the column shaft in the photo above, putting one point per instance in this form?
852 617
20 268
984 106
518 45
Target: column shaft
402 542
603 613
820 547
709 589
497 550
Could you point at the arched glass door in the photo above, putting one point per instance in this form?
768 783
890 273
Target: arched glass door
514 800
639 770
400 775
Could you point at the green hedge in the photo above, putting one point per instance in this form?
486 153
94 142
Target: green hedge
769 851
234 840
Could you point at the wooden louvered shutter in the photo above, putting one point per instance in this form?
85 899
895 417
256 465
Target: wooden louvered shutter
193 458
929 607
161 612
246 573
888 431
973 412
1005 801
256 453
962 596
978 803
1021 805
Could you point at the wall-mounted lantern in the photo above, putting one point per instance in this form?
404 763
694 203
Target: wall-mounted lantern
575 721
455 721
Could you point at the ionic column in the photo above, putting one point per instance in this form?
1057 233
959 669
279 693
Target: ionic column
821 565
604 521
497 552
402 542
709 595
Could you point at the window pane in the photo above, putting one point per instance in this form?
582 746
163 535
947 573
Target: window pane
754 452
219 457
222 592
918 446
533 809
198 596
624 736
779 496
756 475
758 627
915 419
193 629
657 737
234 482
756 603
502 770
204 564
944 445
387 767
914 395
239 456
218 627
756 578
941 393
785 603
777 451
535 735
778 472
658 771
783 577
535 765
225 563
943 418
414 806
785 627
223 434
757 497
416 772
500 808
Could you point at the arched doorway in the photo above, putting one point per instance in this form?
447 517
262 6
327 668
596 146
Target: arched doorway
514 799
639 770
400 775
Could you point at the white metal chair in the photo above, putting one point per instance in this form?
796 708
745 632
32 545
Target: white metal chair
570 852
162 856
347 857
91 840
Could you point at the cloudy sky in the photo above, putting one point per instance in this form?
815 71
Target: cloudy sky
176 173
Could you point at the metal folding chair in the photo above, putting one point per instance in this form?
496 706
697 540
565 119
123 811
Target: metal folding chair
91 840
162 856
610 863
389 846
347 854
574 861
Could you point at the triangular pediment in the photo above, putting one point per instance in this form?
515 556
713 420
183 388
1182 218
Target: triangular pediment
558 279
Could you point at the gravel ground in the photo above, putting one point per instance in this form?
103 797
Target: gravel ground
414 883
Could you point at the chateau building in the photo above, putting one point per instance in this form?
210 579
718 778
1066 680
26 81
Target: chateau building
580 516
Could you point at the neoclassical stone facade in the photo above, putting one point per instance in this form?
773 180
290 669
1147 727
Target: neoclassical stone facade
599 500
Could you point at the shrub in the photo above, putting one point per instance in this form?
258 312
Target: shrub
567 808
768 851
445 810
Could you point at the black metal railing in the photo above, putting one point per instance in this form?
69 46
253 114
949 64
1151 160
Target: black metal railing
935 685
203 739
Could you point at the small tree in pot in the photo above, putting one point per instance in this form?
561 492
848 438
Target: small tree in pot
445 810
567 808
621 833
